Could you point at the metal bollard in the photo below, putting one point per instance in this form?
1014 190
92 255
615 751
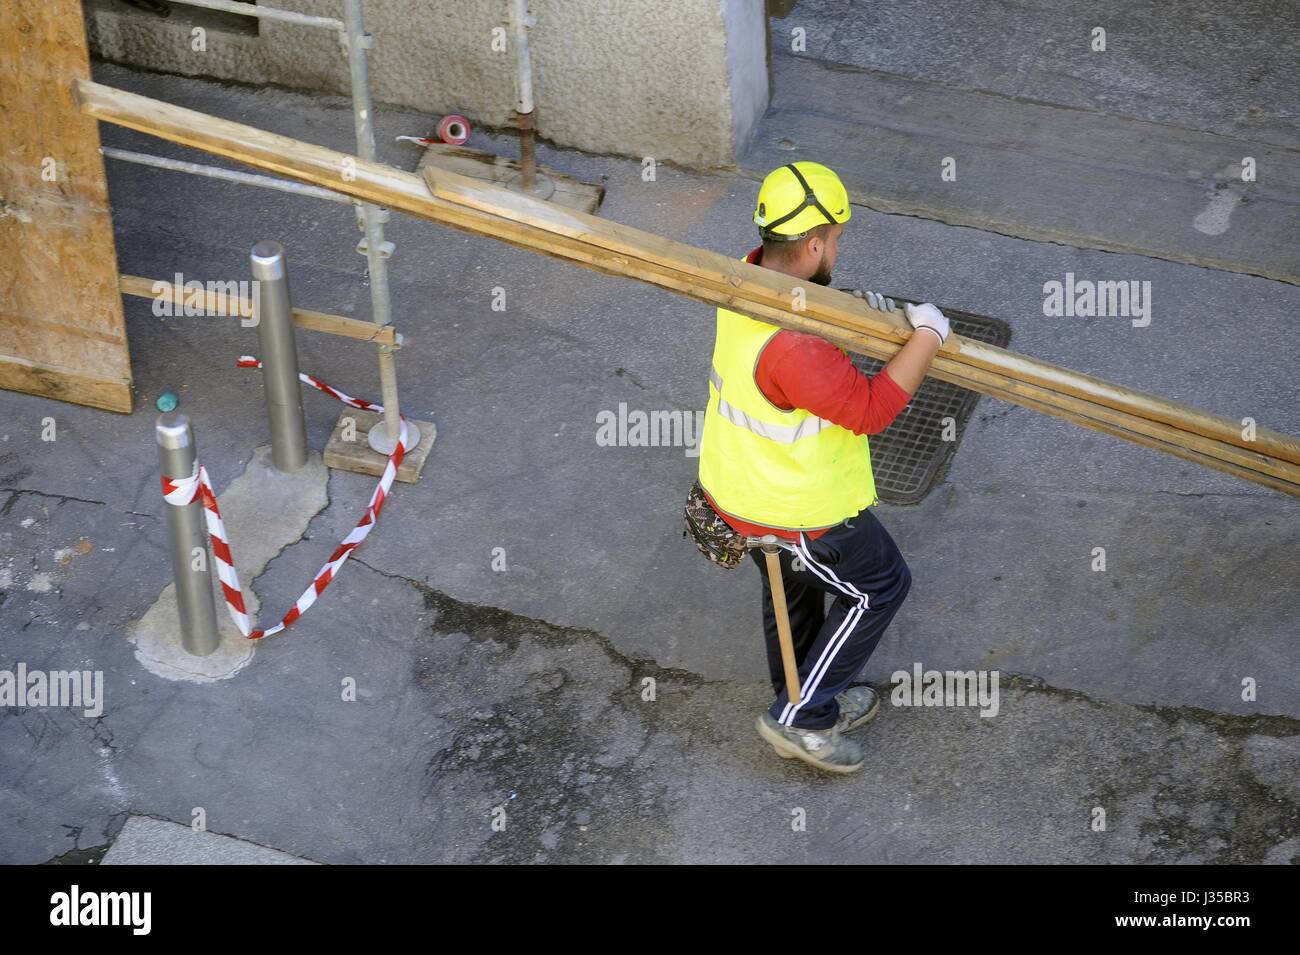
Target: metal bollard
279 357
194 601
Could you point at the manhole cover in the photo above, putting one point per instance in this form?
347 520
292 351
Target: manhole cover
910 456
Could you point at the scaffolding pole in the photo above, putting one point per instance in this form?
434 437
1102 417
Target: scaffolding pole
383 436
370 218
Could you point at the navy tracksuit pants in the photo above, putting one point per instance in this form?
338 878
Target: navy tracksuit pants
860 566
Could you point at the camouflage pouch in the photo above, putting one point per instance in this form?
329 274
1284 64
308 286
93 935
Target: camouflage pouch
714 537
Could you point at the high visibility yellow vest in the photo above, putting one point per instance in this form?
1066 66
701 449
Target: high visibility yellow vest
786 469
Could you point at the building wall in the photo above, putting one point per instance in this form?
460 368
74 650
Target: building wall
681 80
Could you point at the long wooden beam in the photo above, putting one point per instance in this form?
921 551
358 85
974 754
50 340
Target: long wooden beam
1039 397
771 288
218 303
1260 469
1250 465
1270 458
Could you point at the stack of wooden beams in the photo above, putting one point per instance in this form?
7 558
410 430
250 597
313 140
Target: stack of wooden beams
1253 453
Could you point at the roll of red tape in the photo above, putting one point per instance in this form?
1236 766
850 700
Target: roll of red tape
454 129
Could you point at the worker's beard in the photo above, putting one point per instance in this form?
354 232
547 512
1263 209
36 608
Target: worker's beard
823 274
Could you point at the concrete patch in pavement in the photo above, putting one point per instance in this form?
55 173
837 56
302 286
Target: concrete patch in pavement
145 841
264 511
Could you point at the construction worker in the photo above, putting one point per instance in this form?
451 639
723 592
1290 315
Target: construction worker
784 451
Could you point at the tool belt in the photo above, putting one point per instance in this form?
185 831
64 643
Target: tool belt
714 537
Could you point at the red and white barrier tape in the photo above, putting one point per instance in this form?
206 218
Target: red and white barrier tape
248 361
181 492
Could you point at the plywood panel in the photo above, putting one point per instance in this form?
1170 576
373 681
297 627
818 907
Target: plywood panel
62 333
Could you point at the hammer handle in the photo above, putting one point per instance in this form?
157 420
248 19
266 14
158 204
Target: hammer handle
782 623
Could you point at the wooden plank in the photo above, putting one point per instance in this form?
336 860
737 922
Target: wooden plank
479 164
356 455
62 333
1080 411
355 328
63 384
1240 462
733 284
404 191
755 283
1177 449
1250 465
218 303
946 368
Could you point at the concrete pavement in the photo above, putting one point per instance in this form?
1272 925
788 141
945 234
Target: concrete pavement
501 624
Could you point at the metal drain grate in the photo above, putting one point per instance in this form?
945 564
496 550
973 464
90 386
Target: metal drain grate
910 456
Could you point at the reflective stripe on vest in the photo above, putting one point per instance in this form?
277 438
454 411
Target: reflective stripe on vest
773 432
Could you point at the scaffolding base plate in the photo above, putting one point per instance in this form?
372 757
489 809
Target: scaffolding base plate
565 190
348 450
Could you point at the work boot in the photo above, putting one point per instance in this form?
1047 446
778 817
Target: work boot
858 707
825 749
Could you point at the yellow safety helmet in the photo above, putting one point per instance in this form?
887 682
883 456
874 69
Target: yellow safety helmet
798 197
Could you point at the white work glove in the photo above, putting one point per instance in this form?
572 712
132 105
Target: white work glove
876 301
927 316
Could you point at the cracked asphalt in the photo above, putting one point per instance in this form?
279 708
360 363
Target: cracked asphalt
544 670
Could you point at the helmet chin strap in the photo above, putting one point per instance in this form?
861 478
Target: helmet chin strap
768 236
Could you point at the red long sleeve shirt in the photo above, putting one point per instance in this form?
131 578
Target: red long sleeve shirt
798 370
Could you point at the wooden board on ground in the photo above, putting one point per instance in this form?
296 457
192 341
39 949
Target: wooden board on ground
356 455
478 164
62 332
